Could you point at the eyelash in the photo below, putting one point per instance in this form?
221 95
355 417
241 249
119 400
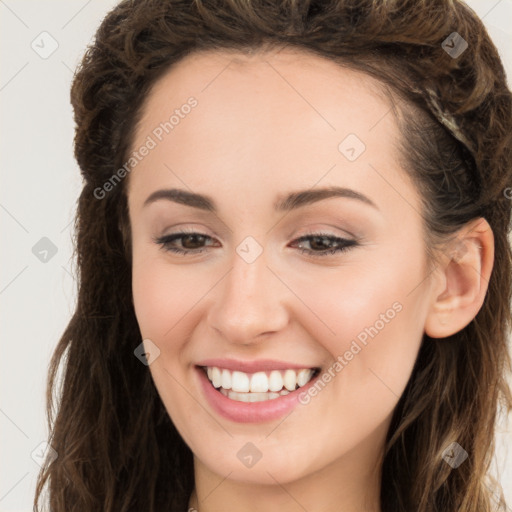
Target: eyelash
165 242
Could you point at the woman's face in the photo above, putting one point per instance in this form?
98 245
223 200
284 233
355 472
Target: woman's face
251 289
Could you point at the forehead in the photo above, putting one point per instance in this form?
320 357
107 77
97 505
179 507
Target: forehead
261 120
286 75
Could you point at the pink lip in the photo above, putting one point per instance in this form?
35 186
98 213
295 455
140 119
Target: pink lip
263 365
250 412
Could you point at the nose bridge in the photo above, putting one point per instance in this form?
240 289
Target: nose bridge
248 305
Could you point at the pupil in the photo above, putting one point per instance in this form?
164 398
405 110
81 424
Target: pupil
320 241
191 237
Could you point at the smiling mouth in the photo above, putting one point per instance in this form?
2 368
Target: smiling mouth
259 386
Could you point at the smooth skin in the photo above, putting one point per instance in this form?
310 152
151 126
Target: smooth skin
266 125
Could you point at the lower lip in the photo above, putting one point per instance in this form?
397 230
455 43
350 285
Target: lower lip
250 412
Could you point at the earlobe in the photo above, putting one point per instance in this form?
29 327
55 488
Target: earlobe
462 280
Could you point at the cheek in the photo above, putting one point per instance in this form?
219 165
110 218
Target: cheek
371 322
164 306
162 295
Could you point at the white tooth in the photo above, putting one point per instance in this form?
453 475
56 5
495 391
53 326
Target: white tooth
259 397
303 377
290 380
224 391
240 382
259 382
284 392
275 382
240 397
226 379
216 377
252 397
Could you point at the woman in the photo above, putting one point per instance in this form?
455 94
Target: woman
295 277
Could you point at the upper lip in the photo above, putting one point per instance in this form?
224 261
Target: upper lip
262 365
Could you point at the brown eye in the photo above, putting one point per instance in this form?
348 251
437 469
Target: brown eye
323 244
191 242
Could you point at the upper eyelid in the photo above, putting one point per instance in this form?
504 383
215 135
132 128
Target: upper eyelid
324 228
310 233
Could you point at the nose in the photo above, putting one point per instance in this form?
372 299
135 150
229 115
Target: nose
250 302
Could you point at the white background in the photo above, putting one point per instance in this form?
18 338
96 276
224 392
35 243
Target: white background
40 183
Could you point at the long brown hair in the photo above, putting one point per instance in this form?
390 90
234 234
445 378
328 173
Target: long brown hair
118 450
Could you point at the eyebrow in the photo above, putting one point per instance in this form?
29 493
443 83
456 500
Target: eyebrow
287 203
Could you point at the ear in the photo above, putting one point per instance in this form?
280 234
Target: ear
461 280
